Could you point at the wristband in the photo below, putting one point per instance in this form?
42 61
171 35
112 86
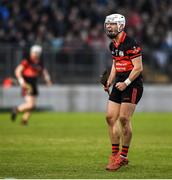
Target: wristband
21 81
127 82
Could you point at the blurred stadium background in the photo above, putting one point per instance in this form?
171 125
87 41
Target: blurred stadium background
76 47
75 51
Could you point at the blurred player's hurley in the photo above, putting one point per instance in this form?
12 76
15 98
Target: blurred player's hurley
127 90
27 73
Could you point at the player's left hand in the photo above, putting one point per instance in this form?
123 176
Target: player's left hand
121 86
49 83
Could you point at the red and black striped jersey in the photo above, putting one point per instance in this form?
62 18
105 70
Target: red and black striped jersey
31 69
123 52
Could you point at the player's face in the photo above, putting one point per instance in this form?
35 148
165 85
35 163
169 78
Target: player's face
35 57
111 30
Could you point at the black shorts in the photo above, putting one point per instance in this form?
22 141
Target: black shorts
31 88
133 92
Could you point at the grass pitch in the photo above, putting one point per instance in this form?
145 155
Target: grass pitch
76 145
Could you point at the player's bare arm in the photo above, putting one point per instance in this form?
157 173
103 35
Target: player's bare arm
112 74
18 73
46 77
137 69
111 77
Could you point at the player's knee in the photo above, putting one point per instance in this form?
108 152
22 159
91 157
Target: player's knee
125 123
31 106
109 119
124 120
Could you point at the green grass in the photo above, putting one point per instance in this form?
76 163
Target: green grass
76 145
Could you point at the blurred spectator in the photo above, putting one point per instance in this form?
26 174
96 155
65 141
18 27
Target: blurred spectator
65 24
39 21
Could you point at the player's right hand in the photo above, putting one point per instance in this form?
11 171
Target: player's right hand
106 88
22 82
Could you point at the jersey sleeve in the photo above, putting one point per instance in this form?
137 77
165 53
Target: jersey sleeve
134 49
24 63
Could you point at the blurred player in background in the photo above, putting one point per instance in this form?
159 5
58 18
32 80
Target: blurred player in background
27 73
127 90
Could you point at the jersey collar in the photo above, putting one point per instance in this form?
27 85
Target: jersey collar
122 38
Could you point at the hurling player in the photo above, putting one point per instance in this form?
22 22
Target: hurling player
27 73
126 79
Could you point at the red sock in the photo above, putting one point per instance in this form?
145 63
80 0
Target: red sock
115 148
124 151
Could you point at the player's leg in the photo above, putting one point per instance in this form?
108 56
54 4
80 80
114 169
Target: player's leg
28 105
30 102
24 106
29 93
114 130
112 114
25 117
130 97
126 112
113 109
